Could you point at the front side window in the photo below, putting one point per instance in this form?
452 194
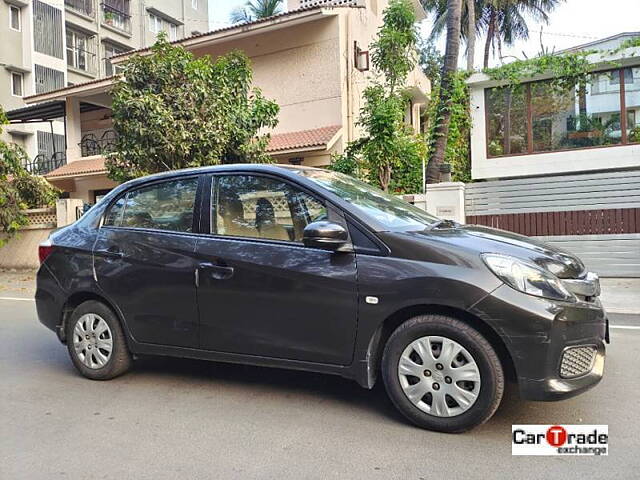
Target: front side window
260 207
14 18
16 84
162 206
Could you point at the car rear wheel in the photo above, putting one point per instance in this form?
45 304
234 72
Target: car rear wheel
96 342
442 374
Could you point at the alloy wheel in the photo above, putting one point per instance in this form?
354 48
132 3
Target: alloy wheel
439 376
92 340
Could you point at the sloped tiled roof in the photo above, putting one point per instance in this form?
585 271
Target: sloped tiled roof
302 139
280 142
79 167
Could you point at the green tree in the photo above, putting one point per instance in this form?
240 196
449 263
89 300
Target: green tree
502 21
389 154
444 98
171 111
256 9
18 188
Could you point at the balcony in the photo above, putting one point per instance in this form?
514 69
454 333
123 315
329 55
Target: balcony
43 164
115 14
96 143
83 7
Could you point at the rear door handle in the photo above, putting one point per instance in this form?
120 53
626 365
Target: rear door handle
111 253
217 272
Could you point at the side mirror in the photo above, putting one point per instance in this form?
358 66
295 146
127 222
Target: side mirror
325 235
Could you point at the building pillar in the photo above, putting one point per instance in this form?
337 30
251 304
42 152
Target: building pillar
73 129
66 210
444 200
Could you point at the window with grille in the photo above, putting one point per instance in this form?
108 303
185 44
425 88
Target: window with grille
47 29
50 143
47 79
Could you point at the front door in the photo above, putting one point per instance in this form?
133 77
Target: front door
261 292
144 261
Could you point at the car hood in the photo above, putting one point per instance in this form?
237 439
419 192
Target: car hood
475 240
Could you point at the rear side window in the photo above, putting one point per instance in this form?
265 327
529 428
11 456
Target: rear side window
162 206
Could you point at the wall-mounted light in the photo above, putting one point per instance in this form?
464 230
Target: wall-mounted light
360 58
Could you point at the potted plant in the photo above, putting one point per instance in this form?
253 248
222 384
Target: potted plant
109 17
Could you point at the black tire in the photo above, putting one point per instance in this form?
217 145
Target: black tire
119 360
489 366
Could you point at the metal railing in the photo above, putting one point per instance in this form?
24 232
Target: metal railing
85 7
43 164
115 17
92 144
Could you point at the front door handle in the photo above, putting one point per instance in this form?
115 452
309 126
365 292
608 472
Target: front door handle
218 272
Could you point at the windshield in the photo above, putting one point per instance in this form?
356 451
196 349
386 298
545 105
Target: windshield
390 211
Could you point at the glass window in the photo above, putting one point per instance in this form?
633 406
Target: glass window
14 18
260 207
16 84
390 211
113 218
163 206
506 121
632 103
173 32
194 4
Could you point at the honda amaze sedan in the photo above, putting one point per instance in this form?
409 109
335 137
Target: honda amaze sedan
308 269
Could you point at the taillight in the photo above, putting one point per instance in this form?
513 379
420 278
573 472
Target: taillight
44 250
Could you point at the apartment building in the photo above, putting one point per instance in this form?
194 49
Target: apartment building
51 44
313 60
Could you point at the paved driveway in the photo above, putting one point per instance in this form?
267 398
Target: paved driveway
173 418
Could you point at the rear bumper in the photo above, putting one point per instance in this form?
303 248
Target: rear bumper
50 300
538 333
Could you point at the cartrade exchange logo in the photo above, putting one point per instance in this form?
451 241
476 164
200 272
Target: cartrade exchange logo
560 440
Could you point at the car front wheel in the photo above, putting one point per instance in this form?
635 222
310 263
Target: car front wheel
96 342
442 374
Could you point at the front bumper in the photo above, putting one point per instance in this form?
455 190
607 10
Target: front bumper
538 332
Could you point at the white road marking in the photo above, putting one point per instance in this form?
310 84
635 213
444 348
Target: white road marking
625 327
18 298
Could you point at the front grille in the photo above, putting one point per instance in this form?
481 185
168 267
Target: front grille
577 361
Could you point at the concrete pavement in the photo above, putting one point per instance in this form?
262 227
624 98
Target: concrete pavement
172 418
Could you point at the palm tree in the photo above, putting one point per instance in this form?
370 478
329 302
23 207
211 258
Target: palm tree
503 21
471 39
255 9
449 66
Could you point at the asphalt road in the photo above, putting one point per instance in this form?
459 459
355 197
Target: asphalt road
172 418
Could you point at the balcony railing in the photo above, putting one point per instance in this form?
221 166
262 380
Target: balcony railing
116 18
84 7
92 144
43 164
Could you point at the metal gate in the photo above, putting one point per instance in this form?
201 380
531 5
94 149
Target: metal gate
596 216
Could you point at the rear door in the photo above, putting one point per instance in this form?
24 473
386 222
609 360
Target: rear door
261 291
145 262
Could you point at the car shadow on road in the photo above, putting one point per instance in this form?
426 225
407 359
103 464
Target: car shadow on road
284 382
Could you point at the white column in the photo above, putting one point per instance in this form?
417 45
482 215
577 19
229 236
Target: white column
66 210
446 200
74 129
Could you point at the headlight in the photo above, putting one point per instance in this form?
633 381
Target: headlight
527 277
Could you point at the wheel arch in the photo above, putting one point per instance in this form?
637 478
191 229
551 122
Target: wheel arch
393 321
76 299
